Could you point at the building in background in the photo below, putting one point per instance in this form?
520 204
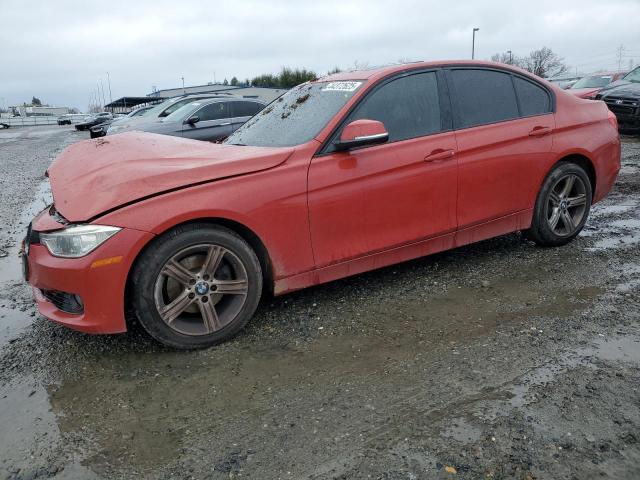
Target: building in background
38 111
265 94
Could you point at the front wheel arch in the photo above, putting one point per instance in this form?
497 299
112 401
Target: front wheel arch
242 230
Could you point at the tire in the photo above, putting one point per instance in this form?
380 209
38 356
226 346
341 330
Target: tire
196 286
562 206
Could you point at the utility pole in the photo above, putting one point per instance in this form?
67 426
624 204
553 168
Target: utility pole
183 89
102 89
473 43
109 83
620 52
510 57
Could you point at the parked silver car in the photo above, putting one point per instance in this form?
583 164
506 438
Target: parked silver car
210 119
159 111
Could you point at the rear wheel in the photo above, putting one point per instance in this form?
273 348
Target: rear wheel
196 286
562 206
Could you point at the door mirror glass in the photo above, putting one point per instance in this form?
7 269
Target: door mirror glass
360 133
193 120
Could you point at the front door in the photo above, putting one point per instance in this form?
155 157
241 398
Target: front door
383 196
214 123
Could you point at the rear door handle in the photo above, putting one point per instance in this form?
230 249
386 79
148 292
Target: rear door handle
539 131
440 154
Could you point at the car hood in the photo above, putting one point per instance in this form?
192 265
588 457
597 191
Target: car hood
95 176
133 123
583 92
630 89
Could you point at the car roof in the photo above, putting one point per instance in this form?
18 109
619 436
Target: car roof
376 73
222 99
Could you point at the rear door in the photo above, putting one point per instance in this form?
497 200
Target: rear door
241 111
504 126
214 123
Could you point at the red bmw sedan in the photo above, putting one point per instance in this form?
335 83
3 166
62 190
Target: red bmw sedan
341 175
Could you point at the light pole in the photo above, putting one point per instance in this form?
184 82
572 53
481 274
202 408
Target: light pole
183 89
510 56
473 43
109 83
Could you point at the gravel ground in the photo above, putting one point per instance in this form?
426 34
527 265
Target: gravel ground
496 360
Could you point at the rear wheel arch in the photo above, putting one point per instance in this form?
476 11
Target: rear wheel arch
583 162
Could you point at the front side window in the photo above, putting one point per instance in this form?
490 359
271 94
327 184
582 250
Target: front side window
213 111
534 100
483 96
408 106
297 116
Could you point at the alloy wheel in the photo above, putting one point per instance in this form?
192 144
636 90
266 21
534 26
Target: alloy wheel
566 205
201 289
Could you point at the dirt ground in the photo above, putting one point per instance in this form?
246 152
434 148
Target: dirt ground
496 360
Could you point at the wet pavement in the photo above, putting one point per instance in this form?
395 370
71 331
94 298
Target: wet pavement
496 360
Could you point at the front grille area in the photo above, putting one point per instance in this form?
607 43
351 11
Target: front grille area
66 302
622 105
622 109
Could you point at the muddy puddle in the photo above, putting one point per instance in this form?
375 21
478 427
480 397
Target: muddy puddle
13 318
140 409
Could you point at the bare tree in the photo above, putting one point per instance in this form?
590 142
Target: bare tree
507 58
544 63
358 65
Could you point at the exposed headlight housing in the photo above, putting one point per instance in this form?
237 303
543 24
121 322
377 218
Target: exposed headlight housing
114 128
77 240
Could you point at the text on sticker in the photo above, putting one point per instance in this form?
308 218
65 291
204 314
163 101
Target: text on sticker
341 86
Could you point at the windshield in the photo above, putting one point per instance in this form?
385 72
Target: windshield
297 116
633 76
182 112
167 107
593 82
138 113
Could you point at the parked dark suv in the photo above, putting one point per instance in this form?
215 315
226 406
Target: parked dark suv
623 99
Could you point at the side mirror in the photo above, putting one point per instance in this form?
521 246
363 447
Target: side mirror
193 120
360 133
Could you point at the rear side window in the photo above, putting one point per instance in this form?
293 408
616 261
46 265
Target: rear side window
534 100
483 96
213 111
245 109
408 106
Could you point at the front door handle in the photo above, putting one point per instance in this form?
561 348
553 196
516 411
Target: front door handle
539 131
440 154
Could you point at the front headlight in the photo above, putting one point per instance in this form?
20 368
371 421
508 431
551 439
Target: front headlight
77 240
114 128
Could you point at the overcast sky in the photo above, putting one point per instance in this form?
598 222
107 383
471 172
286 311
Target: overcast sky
59 50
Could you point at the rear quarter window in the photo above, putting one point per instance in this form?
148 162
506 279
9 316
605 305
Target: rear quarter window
534 100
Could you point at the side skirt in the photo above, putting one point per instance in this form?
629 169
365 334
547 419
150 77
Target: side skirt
493 228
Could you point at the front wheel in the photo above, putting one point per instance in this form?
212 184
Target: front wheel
196 286
562 206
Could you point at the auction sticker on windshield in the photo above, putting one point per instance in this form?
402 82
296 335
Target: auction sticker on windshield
341 86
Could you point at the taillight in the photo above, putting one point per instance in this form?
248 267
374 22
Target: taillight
612 120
